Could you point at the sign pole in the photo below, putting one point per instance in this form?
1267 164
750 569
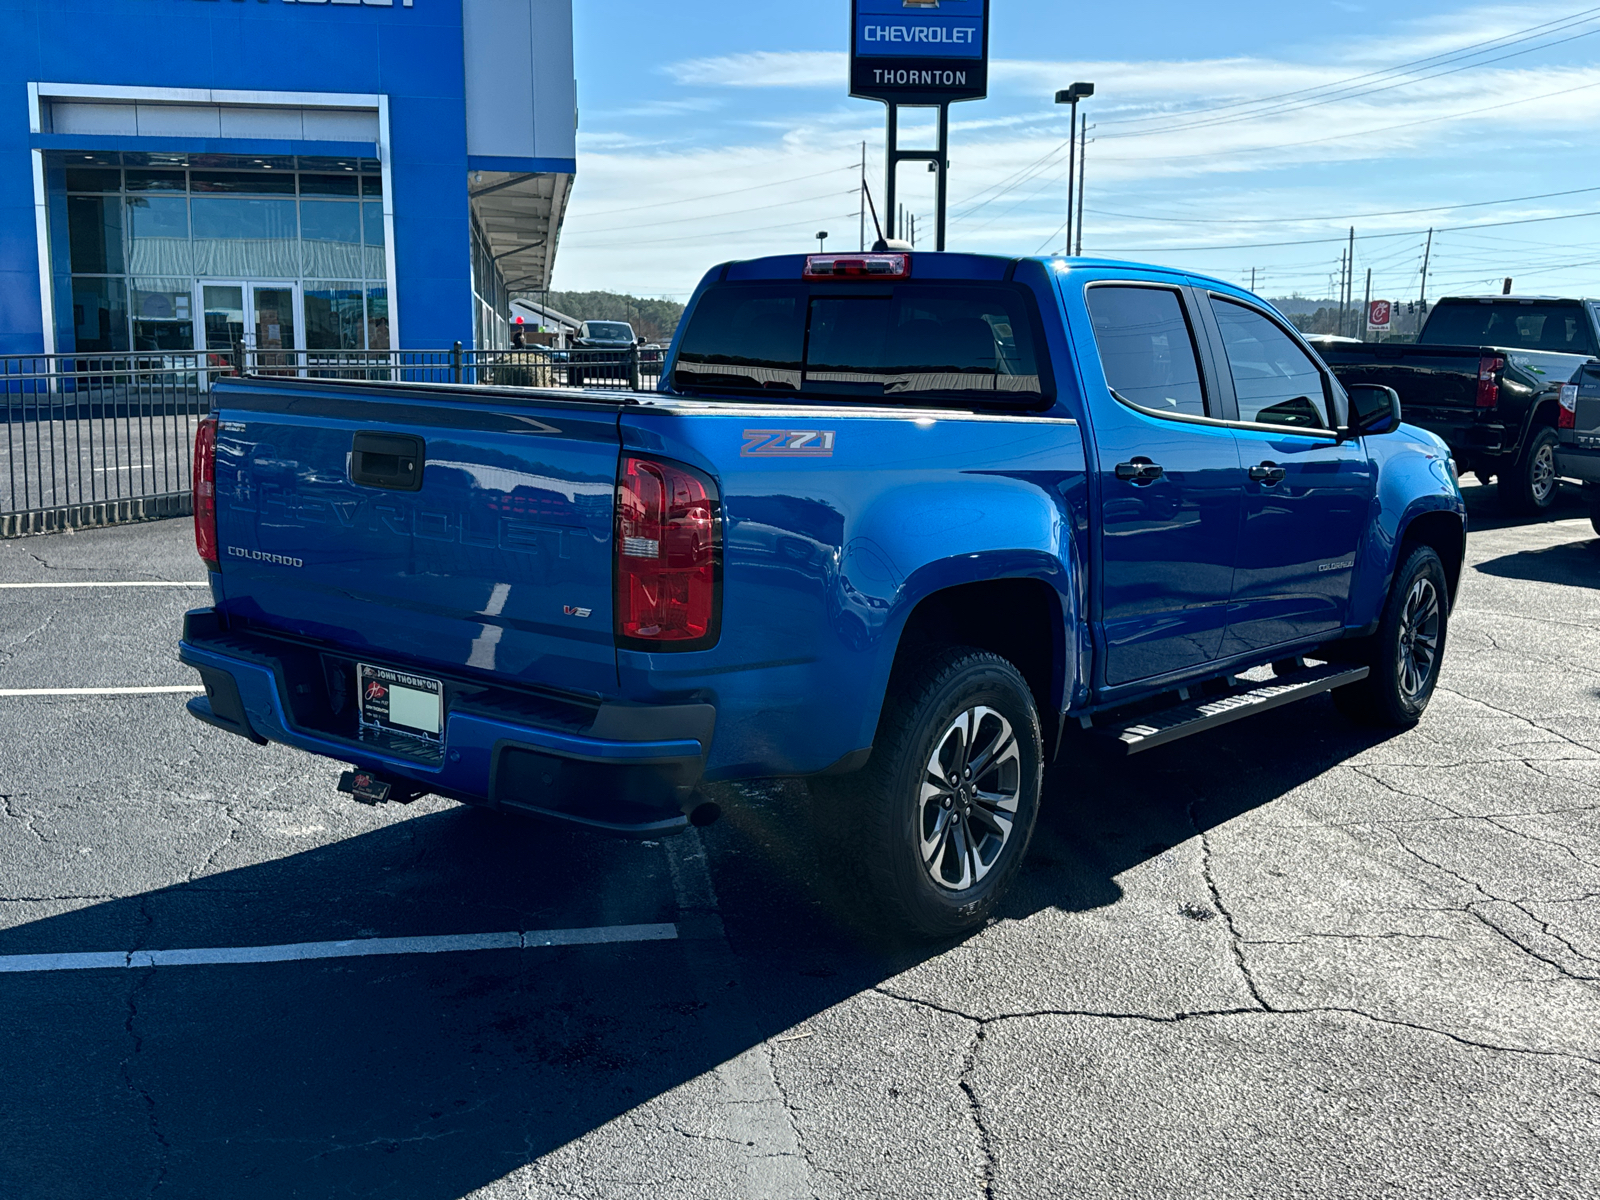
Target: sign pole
923 55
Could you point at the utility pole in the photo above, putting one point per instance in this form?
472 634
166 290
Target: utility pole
1083 151
1422 300
863 197
1350 271
1339 298
911 219
1252 279
1366 308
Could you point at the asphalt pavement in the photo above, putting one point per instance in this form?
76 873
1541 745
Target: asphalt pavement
1288 958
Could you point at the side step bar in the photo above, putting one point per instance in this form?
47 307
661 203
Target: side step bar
1181 720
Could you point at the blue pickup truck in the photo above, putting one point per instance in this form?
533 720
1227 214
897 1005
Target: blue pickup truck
908 525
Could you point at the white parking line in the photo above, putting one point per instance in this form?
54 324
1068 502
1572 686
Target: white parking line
131 583
191 689
355 948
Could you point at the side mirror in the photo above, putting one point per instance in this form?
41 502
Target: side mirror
1373 408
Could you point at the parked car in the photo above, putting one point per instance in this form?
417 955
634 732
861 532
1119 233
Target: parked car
907 525
1577 454
1486 374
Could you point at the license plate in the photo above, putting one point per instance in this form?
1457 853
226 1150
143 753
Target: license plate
401 702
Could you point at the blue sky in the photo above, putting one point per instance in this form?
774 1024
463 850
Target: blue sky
1228 136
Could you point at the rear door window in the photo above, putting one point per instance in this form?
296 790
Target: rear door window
933 342
1147 348
1274 380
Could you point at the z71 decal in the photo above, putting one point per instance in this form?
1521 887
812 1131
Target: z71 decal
787 443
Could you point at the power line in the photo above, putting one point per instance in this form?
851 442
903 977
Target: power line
1395 212
1365 132
1399 68
1348 94
610 212
583 233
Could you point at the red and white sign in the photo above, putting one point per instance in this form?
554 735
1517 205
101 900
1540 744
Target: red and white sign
1380 315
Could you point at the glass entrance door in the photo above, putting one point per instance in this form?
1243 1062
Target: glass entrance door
264 316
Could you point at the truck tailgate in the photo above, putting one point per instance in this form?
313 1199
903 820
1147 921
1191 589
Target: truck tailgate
498 559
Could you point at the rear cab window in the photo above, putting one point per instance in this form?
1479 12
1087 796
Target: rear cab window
941 343
1516 324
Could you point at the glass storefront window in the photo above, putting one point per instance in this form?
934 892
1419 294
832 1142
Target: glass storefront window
252 239
330 238
100 314
377 318
162 319
94 237
173 252
158 235
330 185
258 183
334 316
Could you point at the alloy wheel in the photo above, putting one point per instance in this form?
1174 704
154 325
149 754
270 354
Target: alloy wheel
971 788
1542 480
1420 623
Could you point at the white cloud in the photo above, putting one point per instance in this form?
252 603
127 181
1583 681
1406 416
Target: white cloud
764 68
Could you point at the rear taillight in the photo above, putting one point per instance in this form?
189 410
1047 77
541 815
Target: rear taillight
857 266
668 556
205 493
1489 369
1567 411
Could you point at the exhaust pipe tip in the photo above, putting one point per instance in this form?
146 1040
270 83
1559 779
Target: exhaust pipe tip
704 814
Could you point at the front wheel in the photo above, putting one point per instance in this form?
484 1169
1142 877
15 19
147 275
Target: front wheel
1530 486
1407 650
934 828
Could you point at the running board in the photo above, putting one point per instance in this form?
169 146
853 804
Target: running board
1181 720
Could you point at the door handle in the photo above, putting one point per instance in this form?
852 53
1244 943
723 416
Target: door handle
1269 473
1139 472
387 460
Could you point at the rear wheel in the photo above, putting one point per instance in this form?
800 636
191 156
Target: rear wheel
1530 486
932 831
1406 652
1594 518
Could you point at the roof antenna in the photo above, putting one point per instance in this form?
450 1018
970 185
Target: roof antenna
880 244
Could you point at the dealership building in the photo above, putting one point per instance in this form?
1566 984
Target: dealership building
295 174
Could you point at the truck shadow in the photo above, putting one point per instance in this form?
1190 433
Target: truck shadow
1575 564
432 1076
1485 511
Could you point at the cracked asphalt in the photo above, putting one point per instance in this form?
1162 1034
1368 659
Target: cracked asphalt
1292 958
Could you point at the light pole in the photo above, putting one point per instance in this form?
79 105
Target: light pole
822 236
1071 95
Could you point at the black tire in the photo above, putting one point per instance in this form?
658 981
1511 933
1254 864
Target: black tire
1530 487
1594 519
1406 652
881 818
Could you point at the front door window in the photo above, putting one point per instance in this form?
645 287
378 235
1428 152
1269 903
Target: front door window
223 305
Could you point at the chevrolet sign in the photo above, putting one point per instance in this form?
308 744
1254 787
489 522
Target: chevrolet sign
919 51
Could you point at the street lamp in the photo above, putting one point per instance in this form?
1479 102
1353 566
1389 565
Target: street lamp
1071 95
822 236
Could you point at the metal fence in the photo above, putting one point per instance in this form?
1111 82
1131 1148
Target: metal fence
96 439
99 439
636 368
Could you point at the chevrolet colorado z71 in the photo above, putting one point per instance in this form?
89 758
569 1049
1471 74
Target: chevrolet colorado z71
893 522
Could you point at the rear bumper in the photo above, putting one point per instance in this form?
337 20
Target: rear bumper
1575 462
621 768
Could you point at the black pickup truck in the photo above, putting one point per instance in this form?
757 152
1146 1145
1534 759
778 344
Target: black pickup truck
1486 374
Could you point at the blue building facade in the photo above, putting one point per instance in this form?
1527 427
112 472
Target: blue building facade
294 174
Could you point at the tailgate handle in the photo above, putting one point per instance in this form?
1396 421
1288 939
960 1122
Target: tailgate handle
387 460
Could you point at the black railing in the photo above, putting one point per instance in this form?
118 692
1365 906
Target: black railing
95 439
635 368
99 439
